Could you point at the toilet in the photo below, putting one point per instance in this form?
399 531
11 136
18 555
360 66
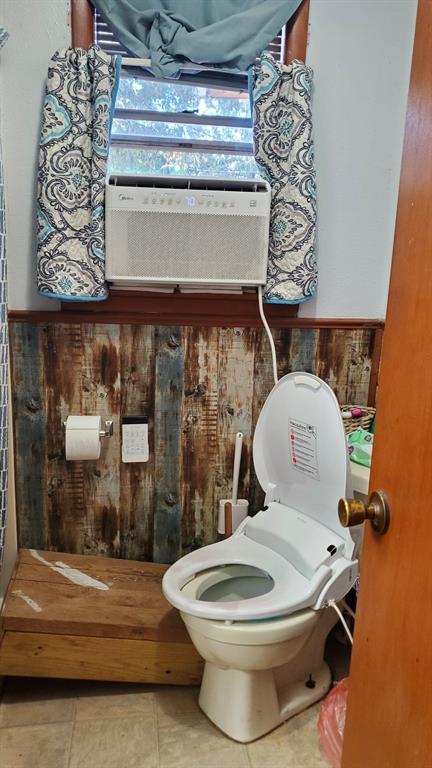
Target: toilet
256 604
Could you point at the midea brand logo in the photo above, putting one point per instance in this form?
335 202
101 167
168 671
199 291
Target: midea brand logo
125 197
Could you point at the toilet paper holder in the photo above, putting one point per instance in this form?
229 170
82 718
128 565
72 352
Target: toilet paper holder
109 429
107 432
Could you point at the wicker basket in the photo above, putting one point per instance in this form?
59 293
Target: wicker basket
354 423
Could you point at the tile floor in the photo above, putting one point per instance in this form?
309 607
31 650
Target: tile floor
72 724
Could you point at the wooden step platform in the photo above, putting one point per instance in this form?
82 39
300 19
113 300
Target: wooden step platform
94 618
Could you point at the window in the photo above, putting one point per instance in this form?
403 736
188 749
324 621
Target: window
198 125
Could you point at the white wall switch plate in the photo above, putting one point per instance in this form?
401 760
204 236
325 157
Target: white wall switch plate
134 440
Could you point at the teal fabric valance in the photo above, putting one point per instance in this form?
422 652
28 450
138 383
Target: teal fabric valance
226 33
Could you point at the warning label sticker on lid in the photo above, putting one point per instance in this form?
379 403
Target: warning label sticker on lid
303 448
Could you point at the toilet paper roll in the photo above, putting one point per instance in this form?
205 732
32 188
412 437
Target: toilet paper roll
82 438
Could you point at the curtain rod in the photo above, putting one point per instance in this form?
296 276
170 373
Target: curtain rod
131 62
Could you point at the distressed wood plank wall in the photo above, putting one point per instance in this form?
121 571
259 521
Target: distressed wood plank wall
198 387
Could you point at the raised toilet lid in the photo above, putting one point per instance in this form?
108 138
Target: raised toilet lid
301 461
300 453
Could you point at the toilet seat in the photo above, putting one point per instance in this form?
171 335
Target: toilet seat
291 592
301 461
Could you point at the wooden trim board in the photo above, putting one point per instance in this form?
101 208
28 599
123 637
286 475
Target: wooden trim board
184 308
375 369
194 318
96 618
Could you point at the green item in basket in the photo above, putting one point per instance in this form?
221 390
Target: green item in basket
360 444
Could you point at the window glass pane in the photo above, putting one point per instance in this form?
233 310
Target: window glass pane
137 93
187 131
160 162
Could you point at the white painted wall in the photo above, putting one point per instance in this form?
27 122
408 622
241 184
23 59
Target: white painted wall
360 51
37 28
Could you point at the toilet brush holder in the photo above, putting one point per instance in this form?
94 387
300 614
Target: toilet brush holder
239 512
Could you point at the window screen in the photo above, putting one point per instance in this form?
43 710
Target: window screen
197 125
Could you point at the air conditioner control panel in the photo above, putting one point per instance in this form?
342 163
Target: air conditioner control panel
187 201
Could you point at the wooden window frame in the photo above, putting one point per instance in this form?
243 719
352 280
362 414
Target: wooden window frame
82 23
207 309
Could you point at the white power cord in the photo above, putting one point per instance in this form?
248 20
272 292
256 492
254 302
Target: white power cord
333 604
346 608
269 333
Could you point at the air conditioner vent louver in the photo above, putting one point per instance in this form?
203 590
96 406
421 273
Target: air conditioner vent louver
195 183
181 231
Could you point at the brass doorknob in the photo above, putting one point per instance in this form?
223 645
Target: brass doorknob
355 512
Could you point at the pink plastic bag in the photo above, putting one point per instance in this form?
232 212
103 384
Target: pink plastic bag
331 722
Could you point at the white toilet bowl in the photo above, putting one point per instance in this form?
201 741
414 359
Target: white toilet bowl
259 673
255 605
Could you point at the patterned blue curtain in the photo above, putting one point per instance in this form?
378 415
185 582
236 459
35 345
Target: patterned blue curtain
3 354
76 125
284 153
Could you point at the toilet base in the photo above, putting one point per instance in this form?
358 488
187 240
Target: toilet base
246 705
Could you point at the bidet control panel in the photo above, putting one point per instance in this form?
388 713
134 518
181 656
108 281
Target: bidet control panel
135 439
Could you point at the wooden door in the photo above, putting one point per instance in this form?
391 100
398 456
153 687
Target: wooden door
389 717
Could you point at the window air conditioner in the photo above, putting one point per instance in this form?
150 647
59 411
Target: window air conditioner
193 233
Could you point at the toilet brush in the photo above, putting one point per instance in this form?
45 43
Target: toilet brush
233 508
236 469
